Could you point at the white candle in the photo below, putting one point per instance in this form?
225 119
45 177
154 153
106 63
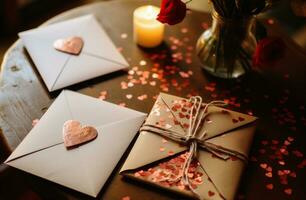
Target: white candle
148 32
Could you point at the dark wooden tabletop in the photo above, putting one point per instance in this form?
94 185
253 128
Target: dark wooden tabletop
276 94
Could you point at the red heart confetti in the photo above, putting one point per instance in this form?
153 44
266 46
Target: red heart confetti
126 198
269 174
103 95
288 191
210 193
169 174
124 35
270 186
241 119
34 122
263 165
129 96
235 121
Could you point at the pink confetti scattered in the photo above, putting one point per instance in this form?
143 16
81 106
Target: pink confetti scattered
270 21
129 96
103 95
169 173
164 140
34 122
142 97
269 174
210 193
235 121
288 191
205 25
142 62
122 104
126 198
123 35
184 30
263 165
170 153
270 186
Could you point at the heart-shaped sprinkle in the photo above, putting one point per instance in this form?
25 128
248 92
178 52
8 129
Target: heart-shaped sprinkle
241 119
284 182
210 193
280 173
234 121
292 174
74 134
269 169
269 174
181 115
269 186
263 165
71 45
288 191
129 96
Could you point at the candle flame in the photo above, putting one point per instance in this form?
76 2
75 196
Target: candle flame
149 13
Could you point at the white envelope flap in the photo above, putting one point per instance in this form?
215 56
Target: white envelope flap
93 111
48 132
70 106
83 67
60 69
39 43
98 43
103 155
48 62
86 168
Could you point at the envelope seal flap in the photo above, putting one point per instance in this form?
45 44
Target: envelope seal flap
48 132
225 174
180 108
87 167
98 55
98 43
147 151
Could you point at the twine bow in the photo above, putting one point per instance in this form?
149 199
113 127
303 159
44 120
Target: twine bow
195 138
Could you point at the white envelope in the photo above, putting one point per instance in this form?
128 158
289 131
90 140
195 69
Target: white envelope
85 168
99 55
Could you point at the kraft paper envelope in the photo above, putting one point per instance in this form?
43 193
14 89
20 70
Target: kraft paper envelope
225 128
87 167
98 56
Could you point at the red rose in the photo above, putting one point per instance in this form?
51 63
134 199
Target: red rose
268 51
172 12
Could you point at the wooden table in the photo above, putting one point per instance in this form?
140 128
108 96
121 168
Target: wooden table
275 94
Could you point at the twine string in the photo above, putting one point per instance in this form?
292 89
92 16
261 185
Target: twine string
193 138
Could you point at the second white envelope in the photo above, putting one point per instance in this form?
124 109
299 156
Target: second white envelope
87 167
99 55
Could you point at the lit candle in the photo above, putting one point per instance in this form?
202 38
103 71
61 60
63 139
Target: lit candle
148 32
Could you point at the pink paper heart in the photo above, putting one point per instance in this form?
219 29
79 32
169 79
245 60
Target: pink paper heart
270 186
74 134
71 45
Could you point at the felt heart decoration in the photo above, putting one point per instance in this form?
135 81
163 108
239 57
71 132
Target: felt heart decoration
71 45
74 134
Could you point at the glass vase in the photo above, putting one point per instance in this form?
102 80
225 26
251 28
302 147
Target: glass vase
226 49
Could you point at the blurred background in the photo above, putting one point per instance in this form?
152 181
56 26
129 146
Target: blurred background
18 15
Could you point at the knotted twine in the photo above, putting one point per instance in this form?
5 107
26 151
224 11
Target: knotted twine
194 138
